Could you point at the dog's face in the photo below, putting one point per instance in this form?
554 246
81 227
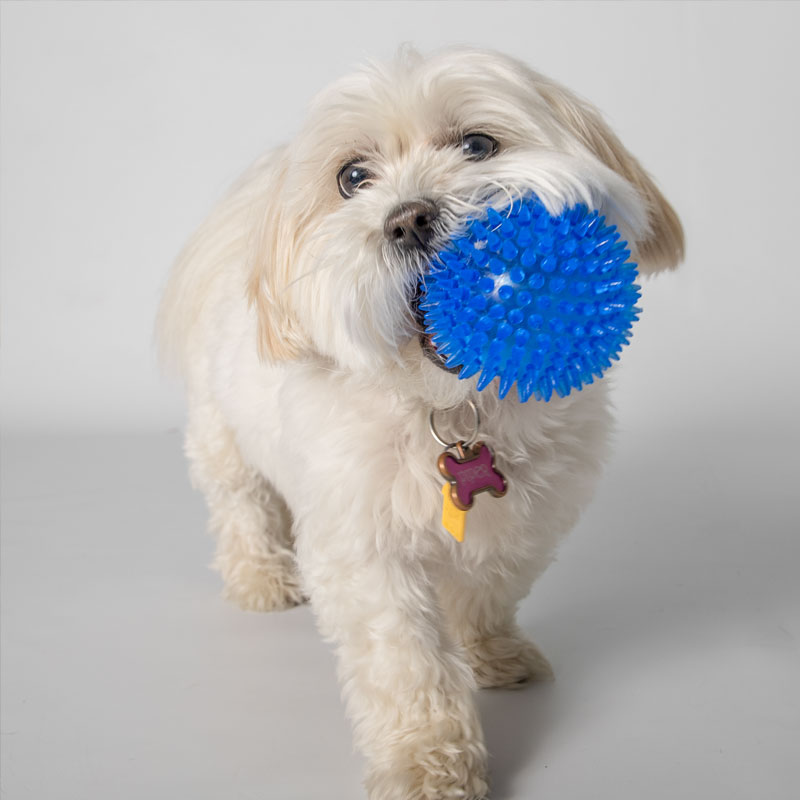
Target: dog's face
390 162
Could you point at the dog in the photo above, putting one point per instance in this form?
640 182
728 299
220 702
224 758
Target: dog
292 316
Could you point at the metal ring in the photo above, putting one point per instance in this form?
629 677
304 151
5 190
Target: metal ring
450 445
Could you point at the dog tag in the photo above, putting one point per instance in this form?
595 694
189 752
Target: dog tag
454 519
469 473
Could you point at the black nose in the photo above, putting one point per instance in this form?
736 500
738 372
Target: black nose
410 225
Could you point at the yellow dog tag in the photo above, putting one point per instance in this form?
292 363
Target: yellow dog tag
453 518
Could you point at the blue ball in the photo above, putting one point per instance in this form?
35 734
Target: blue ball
546 302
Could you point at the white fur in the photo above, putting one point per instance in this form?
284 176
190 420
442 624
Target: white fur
309 397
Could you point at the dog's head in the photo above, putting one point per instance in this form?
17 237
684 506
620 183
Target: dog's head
389 162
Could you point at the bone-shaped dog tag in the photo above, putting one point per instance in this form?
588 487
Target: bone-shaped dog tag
469 473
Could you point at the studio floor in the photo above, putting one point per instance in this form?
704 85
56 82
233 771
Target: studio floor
671 617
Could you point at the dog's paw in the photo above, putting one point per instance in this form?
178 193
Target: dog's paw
507 662
261 584
444 770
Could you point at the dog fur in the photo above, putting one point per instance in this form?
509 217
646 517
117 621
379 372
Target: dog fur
289 316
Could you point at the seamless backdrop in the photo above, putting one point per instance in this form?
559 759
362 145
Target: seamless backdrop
672 617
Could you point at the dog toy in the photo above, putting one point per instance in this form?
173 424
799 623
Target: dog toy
546 302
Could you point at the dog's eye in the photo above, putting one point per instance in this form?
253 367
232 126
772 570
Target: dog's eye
477 146
352 176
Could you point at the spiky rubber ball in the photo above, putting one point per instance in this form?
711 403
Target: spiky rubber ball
546 302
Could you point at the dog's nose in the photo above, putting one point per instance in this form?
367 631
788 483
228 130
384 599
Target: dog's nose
410 225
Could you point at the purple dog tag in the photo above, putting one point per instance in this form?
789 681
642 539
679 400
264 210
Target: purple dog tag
470 474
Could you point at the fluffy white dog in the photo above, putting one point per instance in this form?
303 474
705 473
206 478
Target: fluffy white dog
291 316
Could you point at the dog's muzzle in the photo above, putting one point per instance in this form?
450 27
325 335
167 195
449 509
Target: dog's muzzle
411 227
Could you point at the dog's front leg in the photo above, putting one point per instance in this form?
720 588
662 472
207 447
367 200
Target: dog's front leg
408 691
480 606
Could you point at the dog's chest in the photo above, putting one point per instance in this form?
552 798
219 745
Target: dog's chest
354 463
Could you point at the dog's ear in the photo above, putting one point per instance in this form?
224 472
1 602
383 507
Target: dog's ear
272 250
663 245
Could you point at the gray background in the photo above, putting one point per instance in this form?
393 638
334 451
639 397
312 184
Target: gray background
672 616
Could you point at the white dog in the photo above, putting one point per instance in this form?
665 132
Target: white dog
291 316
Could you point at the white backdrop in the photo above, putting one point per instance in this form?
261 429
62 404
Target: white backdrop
123 122
672 615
